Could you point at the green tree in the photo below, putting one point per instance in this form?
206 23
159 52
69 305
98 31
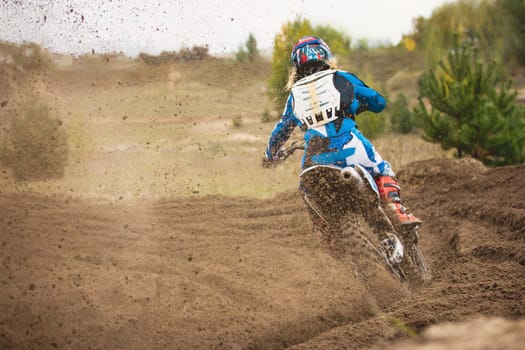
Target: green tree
481 21
283 43
248 51
401 118
251 46
339 43
514 12
473 108
241 55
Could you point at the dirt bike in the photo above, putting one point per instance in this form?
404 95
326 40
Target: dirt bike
338 197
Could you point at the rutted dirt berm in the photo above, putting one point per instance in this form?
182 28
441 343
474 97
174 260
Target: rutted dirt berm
238 273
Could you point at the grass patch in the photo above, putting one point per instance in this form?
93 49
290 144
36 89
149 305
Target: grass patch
167 131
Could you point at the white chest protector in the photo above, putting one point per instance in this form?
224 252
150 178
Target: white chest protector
316 100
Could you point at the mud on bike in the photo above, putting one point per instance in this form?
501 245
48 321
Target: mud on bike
341 197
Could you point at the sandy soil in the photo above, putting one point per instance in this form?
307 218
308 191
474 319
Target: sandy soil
238 273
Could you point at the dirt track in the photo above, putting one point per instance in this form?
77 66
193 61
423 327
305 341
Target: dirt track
237 273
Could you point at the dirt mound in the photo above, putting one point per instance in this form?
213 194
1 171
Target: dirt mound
216 272
481 333
474 240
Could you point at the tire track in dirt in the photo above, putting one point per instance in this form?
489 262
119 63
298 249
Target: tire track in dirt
292 288
67 266
474 240
216 272
208 272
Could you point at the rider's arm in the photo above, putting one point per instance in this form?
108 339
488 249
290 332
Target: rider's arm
282 130
366 98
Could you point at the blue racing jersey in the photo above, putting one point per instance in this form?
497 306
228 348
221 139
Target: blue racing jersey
324 105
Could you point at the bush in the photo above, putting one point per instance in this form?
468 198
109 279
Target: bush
25 57
370 124
196 53
36 144
402 119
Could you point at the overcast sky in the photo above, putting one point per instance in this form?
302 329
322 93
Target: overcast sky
134 26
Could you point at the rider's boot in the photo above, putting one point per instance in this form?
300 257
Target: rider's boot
389 193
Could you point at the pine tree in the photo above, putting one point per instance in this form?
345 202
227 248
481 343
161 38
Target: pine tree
473 108
251 47
248 51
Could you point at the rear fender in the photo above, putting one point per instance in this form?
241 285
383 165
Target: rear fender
366 175
356 172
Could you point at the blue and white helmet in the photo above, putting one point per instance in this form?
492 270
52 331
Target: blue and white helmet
310 49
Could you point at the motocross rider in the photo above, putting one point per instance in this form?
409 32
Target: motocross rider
323 102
